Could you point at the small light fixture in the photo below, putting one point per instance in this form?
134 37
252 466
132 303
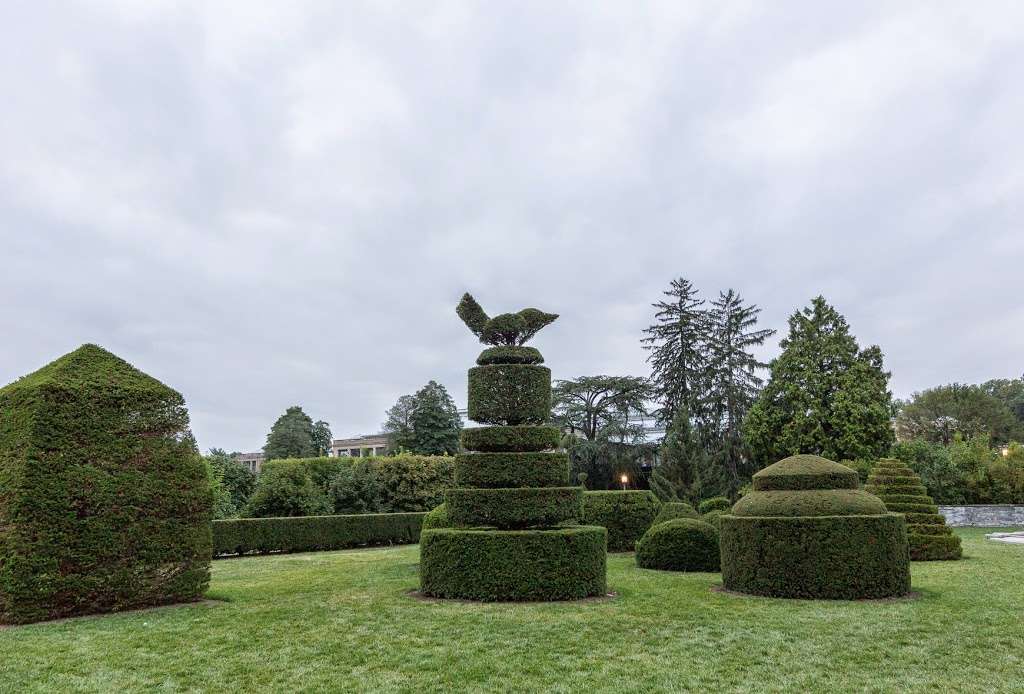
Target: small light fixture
624 480
1006 451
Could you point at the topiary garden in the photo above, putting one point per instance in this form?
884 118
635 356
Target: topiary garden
807 531
512 509
900 488
104 501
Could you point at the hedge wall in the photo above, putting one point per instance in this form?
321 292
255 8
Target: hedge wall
558 564
105 503
627 515
314 533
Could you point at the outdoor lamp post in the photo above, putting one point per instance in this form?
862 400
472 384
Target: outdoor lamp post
625 481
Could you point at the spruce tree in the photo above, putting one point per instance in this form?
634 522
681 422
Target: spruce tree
825 395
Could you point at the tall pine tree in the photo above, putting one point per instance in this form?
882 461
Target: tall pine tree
825 395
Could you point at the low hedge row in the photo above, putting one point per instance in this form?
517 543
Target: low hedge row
314 533
684 544
627 515
511 438
513 508
494 470
831 557
557 564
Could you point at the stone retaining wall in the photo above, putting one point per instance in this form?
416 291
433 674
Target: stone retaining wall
983 516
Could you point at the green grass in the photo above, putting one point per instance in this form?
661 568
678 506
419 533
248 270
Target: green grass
341 621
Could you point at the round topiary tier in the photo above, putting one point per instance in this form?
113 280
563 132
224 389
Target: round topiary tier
511 489
807 532
513 565
929 536
683 544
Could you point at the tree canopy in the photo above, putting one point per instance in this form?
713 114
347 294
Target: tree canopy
293 435
427 423
940 414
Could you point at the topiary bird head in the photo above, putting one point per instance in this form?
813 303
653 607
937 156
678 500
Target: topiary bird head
511 329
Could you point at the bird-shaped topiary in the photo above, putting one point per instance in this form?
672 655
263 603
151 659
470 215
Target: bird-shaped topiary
508 329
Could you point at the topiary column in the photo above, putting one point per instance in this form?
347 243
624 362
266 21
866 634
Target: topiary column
513 512
896 484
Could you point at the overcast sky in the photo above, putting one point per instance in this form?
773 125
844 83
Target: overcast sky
273 207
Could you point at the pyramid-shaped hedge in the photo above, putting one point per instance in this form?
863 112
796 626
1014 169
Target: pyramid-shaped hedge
512 509
901 489
104 503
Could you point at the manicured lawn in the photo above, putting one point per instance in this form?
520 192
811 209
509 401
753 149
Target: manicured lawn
341 621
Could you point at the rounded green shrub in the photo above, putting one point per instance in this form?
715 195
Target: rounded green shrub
513 508
553 564
896 484
492 470
712 517
627 515
674 509
436 518
683 544
717 503
510 439
806 532
510 394
510 355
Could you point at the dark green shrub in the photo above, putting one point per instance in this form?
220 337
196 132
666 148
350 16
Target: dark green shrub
314 533
930 539
493 470
355 489
436 518
511 394
716 503
673 510
502 439
321 470
510 355
627 515
513 508
806 532
105 503
713 518
286 490
557 564
683 544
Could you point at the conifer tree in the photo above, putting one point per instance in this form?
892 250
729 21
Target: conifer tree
291 436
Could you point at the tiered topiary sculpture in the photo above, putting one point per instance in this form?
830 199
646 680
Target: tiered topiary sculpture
896 484
807 531
104 500
512 505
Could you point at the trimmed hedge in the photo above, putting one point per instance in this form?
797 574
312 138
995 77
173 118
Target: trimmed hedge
513 508
627 515
684 544
930 539
715 503
671 510
105 503
314 533
510 355
713 518
510 394
436 518
810 502
557 564
493 470
831 557
805 472
511 439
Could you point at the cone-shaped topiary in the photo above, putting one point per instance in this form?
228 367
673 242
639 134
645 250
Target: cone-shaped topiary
104 502
806 531
896 484
512 489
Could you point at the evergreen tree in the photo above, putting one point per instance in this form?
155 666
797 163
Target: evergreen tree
678 346
590 403
825 395
398 425
291 436
238 480
734 385
322 437
683 457
435 422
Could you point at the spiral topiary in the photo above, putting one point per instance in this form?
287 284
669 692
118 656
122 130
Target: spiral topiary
512 512
896 484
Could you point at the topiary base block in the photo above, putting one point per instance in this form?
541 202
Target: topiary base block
513 565
829 557
934 547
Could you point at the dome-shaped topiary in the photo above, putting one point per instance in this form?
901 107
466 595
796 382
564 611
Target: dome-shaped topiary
675 509
683 544
713 517
436 518
806 531
715 503
896 484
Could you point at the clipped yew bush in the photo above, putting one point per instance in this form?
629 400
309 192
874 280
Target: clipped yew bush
715 503
683 544
626 514
806 531
105 503
436 518
896 484
671 510
512 489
